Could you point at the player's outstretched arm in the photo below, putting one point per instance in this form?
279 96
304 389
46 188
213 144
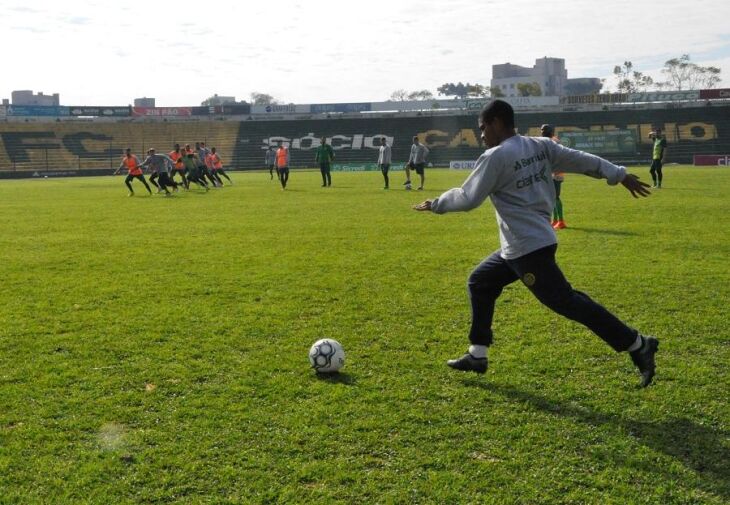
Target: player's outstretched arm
636 186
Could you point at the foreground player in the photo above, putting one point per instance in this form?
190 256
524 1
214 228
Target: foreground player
131 162
514 173
659 152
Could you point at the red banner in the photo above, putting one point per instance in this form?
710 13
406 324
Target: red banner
714 93
161 111
712 160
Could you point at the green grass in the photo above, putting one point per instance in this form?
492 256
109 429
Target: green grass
154 350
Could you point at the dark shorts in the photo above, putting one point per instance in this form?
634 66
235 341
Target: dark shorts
271 167
656 164
283 170
418 167
384 167
180 171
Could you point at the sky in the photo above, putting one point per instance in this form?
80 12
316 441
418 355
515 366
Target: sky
322 51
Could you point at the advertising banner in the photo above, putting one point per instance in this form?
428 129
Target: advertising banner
515 101
599 98
714 160
463 165
601 142
662 96
358 167
709 94
121 111
37 110
237 109
321 108
161 111
407 105
290 108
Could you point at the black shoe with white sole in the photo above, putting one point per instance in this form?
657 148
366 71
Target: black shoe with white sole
468 363
643 358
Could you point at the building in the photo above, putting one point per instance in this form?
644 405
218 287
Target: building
26 97
549 73
144 102
216 100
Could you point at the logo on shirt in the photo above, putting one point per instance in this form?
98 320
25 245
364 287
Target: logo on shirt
529 279
533 179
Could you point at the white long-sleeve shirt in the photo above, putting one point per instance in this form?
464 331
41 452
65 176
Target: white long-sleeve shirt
516 175
384 156
419 152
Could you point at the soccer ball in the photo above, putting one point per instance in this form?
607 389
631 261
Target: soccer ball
326 355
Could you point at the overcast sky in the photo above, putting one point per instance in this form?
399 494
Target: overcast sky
180 52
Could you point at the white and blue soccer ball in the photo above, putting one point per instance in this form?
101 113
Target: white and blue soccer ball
326 355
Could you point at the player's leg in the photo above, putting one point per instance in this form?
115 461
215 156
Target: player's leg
384 170
542 276
164 181
652 171
284 177
142 179
153 179
421 170
659 173
224 174
323 173
128 181
558 210
407 184
328 173
484 286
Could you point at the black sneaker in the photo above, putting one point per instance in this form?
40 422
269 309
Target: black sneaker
644 359
468 363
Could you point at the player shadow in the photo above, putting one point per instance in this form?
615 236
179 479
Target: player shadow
603 231
701 448
336 378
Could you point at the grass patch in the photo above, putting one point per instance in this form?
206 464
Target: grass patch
154 350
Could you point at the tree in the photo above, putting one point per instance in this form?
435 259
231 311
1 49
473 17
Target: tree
462 91
423 94
399 95
496 92
263 99
529 89
213 100
630 80
683 74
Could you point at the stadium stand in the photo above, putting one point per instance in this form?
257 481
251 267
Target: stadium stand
55 146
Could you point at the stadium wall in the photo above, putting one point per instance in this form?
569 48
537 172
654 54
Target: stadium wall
94 147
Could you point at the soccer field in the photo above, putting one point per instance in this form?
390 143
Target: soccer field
154 350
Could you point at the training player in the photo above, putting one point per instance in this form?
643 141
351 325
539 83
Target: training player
659 152
202 153
417 162
282 164
514 174
270 160
179 168
384 159
216 165
192 168
324 156
131 162
557 222
160 164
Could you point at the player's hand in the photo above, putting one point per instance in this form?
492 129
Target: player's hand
635 186
423 206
